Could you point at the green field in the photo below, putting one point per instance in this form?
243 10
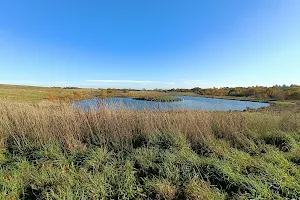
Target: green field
37 94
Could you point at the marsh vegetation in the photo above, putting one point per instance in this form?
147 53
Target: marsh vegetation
55 151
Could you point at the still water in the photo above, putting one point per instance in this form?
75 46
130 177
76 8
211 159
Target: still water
188 102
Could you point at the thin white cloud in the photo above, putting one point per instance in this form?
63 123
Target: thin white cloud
188 83
91 84
131 81
18 82
194 82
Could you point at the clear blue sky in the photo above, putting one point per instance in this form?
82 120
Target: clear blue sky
150 43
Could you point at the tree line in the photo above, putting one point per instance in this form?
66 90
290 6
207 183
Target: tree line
278 92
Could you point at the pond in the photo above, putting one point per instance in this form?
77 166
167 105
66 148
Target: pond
188 103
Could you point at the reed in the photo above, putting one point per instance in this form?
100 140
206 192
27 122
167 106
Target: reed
115 152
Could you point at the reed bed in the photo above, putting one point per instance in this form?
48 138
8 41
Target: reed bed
58 151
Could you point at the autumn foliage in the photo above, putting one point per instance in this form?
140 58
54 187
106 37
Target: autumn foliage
277 92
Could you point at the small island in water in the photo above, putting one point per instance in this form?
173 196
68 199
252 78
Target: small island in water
158 98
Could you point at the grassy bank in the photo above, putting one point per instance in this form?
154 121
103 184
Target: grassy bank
275 105
37 94
252 99
54 151
158 98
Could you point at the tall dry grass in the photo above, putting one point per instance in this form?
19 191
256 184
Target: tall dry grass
28 125
56 151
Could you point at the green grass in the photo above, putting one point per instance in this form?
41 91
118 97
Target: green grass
36 94
164 167
286 102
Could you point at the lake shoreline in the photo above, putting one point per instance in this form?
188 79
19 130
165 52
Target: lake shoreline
158 99
237 98
274 105
186 102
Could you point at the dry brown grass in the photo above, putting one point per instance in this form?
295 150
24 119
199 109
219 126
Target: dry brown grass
112 153
36 124
165 190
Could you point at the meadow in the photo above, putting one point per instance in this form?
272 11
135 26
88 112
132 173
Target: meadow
66 94
50 150
183 104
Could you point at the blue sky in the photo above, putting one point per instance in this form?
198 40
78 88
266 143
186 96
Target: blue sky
150 43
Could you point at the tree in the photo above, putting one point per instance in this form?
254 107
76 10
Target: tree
279 95
271 92
250 92
294 95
